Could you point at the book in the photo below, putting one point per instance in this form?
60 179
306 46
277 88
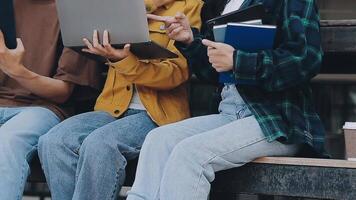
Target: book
220 30
255 12
247 37
250 37
7 23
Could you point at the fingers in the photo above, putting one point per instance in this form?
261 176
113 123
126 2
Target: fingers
88 51
96 41
20 47
180 16
175 32
106 40
90 48
168 20
87 43
127 48
172 27
209 43
2 41
156 18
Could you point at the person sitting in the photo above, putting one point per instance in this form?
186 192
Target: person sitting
39 85
85 156
273 117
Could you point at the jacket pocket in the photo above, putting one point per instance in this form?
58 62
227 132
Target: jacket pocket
158 33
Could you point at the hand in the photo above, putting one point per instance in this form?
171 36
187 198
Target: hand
106 50
178 27
11 59
220 55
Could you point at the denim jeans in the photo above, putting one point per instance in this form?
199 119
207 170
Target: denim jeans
85 156
179 161
19 133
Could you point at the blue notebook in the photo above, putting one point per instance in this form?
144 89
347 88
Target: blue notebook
245 37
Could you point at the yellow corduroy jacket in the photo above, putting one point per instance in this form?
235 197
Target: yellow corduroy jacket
161 84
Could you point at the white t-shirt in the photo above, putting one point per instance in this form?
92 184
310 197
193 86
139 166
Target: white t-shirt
136 102
232 6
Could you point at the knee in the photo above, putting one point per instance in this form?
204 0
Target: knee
98 149
49 141
95 144
162 138
46 116
59 138
188 151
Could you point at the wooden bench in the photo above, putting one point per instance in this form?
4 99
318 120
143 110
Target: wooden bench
292 177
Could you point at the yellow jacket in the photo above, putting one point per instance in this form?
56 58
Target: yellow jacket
161 84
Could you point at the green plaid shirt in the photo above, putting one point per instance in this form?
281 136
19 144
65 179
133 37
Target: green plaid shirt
282 101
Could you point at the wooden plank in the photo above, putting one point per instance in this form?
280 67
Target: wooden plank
339 39
350 22
287 180
335 78
307 162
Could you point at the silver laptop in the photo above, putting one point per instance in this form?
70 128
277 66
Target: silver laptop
125 20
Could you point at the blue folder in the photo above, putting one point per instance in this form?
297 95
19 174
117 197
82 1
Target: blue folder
245 37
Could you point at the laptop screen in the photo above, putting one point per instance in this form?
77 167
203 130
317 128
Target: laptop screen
7 23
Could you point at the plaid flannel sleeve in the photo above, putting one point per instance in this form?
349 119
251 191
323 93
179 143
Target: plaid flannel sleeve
198 61
295 60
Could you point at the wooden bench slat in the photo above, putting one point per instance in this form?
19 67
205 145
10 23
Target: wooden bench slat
335 78
307 162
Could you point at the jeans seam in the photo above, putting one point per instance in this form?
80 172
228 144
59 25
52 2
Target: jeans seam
255 141
113 196
19 195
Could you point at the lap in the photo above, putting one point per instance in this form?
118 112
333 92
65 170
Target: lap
100 128
187 128
128 131
233 144
73 131
27 122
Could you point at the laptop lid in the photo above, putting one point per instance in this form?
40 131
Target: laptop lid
125 20
7 23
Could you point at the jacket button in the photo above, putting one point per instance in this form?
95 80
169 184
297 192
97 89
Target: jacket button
116 112
128 88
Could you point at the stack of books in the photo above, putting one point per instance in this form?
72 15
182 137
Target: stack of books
248 36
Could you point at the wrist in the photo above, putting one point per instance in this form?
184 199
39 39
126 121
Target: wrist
188 42
15 70
116 59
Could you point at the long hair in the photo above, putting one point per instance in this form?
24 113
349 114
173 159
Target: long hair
211 9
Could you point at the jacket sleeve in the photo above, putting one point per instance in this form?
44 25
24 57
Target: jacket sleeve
198 60
296 59
160 74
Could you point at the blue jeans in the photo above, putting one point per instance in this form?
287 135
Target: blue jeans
178 161
19 133
85 156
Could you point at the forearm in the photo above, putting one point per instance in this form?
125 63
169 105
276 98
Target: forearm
161 75
48 88
198 60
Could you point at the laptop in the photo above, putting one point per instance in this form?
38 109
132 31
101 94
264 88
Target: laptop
7 23
125 20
